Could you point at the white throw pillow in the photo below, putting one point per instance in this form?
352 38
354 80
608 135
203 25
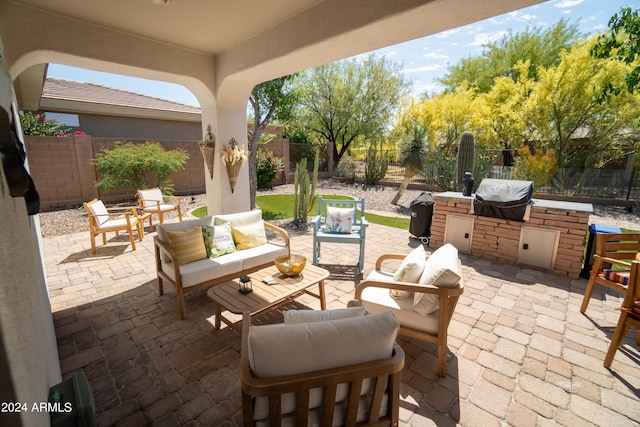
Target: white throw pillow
339 220
410 271
442 270
309 316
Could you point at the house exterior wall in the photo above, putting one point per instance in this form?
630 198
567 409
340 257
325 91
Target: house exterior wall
104 126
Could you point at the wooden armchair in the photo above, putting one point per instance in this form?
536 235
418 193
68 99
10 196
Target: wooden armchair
629 312
103 220
375 294
152 201
615 249
343 372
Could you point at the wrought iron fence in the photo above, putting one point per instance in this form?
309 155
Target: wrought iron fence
590 183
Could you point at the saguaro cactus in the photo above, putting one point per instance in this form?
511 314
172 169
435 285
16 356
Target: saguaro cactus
466 157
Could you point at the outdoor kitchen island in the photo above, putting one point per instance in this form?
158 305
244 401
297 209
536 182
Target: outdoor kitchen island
551 238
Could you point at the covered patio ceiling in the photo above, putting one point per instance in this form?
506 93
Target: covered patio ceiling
254 39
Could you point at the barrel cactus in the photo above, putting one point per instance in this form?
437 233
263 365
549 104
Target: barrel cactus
466 157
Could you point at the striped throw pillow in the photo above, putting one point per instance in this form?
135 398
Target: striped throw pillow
187 245
618 276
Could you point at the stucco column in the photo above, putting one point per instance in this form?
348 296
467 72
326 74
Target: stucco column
229 122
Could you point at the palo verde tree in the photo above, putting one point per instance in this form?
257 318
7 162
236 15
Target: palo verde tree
272 100
563 102
352 99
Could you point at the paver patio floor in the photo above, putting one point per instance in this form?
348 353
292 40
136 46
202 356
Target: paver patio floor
520 351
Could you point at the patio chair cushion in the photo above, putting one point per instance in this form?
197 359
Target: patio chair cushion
376 300
188 245
440 269
99 210
150 198
618 276
247 236
339 220
308 316
218 240
288 349
409 271
313 322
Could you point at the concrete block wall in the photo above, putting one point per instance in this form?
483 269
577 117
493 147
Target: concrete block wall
65 178
499 240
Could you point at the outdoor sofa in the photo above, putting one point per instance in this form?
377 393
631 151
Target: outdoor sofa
200 253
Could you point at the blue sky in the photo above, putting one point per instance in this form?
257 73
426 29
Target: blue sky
424 59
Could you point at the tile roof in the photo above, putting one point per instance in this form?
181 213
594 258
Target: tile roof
70 90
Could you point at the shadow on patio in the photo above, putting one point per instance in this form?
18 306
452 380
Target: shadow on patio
520 351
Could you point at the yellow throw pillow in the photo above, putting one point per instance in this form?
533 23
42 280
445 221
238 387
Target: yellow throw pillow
187 245
249 236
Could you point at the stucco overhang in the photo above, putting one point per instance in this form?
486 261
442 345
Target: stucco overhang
246 41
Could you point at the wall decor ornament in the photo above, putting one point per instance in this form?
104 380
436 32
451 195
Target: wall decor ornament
233 158
208 148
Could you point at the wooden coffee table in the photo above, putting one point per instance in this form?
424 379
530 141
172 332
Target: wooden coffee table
266 297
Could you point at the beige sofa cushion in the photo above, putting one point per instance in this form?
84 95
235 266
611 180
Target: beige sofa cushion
285 349
181 226
240 218
207 269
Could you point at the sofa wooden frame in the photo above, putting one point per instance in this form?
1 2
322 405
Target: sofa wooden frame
387 373
163 249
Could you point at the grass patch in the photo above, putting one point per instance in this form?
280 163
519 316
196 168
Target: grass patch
200 212
280 206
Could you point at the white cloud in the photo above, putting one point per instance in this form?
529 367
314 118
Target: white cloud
436 54
424 68
448 33
516 16
482 39
567 3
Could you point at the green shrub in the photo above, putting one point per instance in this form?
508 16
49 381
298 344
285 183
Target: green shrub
39 125
539 167
376 165
136 167
267 167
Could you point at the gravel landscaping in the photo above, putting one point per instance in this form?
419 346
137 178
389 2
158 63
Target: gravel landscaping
378 201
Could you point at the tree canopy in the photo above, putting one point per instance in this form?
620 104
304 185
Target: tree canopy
351 99
271 100
542 48
553 108
622 43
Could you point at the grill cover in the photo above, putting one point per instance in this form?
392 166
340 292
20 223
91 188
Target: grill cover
421 215
503 198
